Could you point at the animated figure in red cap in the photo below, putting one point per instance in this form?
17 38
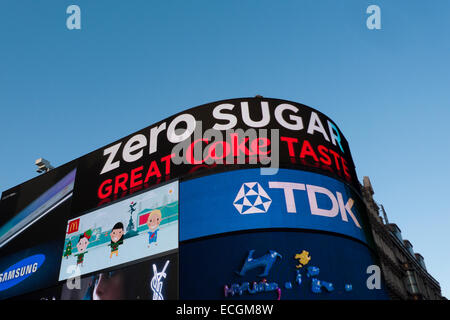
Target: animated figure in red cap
82 245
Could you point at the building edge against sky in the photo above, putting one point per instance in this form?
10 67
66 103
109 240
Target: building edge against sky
404 270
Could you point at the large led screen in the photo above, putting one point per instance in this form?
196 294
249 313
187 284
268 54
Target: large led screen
222 135
154 279
244 199
135 228
278 265
37 209
29 270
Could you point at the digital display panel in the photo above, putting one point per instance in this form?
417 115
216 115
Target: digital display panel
243 199
29 270
154 279
218 136
137 227
44 204
277 265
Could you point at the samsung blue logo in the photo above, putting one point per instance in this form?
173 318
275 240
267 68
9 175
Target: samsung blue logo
20 271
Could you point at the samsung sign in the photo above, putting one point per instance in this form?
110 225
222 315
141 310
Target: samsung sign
30 269
245 200
20 271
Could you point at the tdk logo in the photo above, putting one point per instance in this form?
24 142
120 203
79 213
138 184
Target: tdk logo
252 198
20 271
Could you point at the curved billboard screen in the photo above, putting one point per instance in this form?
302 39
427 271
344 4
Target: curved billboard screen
228 134
243 200
276 265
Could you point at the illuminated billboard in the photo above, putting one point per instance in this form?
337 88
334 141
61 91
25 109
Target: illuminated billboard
228 134
276 265
29 270
244 199
141 226
154 279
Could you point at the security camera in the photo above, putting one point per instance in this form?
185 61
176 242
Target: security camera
43 165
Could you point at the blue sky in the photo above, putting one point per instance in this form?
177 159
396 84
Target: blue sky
64 93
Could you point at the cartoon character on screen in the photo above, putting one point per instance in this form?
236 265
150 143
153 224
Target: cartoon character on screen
116 238
68 250
82 245
153 222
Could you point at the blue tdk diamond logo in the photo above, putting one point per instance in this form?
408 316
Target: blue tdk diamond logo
252 198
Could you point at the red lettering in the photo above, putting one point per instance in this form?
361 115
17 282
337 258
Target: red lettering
336 158
290 142
134 176
324 153
344 166
153 170
190 152
256 146
213 147
166 159
307 150
105 189
121 182
236 147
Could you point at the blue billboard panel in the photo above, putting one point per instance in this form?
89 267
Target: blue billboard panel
245 200
29 270
139 227
279 265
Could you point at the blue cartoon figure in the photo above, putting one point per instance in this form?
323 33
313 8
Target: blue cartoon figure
153 222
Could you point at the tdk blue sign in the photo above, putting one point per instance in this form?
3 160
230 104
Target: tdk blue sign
20 271
244 200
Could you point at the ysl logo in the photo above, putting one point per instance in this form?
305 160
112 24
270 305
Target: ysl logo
156 283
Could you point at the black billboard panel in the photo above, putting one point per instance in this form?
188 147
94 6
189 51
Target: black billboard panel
214 137
154 279
34 194
39 208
